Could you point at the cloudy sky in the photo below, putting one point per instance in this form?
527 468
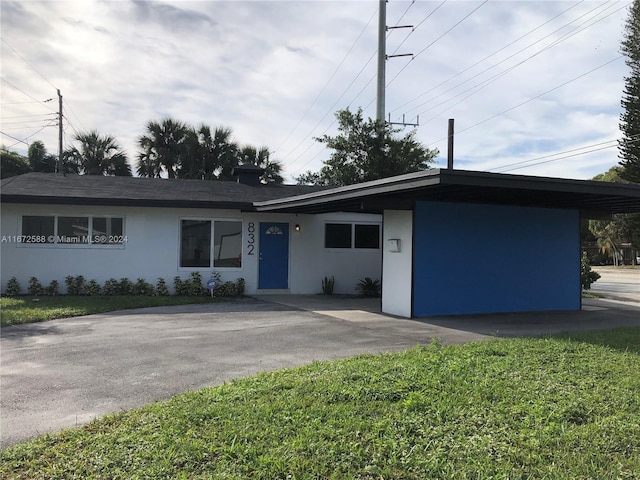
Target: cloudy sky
534 86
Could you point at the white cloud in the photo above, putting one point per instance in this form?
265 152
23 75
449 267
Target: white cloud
258 66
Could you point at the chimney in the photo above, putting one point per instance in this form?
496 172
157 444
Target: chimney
248 174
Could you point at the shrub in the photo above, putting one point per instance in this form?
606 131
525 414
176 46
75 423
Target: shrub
368 287
13 287
195 288
240 284
35 288
327 285
111 287
75 285
161 288
52 289
587 276
143 287
180 287
93 288
126 286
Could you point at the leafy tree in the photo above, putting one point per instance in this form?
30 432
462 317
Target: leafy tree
39 159
611 234
368 150
12 164
97 155
162 148
629 145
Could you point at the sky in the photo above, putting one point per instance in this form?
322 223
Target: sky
534 86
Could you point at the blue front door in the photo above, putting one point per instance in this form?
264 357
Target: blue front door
273 271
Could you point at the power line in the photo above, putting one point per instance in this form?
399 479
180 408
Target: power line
484 59
519 165
435 41
495 77
27 62
328 81
25 93
534 98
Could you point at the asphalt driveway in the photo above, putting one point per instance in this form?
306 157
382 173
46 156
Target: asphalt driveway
66 372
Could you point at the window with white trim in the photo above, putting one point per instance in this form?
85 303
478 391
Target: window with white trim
352 235
72 230
210 243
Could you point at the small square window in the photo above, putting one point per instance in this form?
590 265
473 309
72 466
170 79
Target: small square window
107 230
367 236
337 235
36 228
73 230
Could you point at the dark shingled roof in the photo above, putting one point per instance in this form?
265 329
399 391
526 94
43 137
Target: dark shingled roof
50 188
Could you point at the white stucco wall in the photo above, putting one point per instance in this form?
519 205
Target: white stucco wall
397 266
153 247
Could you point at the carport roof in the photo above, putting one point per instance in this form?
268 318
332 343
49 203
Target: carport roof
401 193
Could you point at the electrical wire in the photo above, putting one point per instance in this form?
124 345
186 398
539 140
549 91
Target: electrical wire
482 60
27 62
327 82
435 41
25 93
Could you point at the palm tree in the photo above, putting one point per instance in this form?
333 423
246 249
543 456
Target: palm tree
162 148
260 158
97 155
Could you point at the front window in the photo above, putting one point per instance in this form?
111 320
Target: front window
337 235
228 244
349 235
195 243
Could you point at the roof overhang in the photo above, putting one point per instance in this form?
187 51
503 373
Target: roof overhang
593 199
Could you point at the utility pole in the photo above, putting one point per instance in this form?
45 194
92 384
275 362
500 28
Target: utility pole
382 64
382 58
59 165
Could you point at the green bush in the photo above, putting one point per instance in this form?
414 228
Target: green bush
111 287
93 288
180 287
13 287
161 288
142 287
327 285
126 286
195 288
75 285
52 289
35 288
369 287
587 276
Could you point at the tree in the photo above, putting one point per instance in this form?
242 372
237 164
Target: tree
12 164
261 158
39 159
629 144
208 156
368 150
97 155
162 148
611 234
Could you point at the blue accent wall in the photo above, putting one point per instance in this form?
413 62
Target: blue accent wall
471 258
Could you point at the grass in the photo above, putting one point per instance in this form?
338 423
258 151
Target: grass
547 408
19 310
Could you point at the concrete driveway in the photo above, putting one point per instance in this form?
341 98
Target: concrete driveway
64 373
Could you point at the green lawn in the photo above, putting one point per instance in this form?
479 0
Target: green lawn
550 408
17 310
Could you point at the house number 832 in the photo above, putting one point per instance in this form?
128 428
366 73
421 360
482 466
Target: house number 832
251 238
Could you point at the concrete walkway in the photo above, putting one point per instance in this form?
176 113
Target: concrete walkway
64 373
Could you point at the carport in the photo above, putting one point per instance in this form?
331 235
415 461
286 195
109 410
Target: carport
461 242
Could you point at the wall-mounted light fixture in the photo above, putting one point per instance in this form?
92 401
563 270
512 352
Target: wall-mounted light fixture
297 227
